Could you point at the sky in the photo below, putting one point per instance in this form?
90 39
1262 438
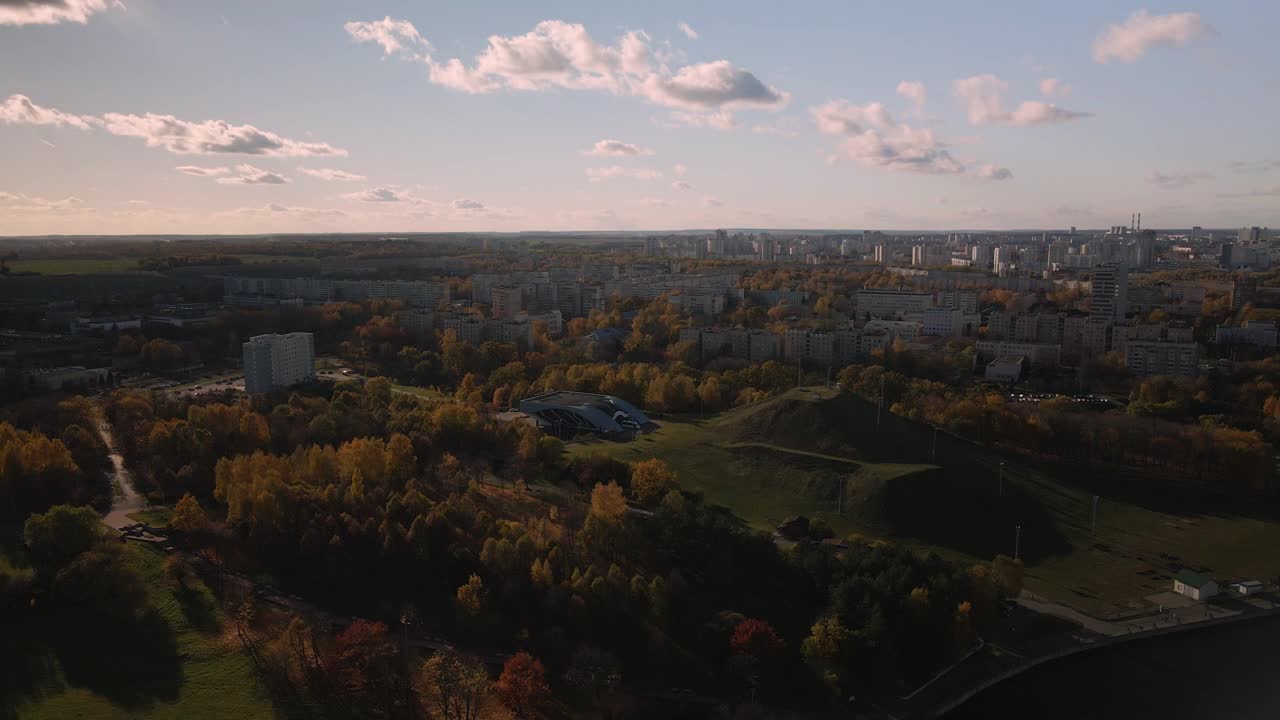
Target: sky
244 116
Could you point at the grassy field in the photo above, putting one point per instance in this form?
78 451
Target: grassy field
763 483
180 661
102 266
787 456
157 518
78 266
421 392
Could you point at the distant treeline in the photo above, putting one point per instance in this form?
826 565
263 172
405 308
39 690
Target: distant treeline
177 261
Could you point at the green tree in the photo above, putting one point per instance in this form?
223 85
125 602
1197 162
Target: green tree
58 536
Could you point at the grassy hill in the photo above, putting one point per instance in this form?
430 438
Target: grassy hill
180 660
788 455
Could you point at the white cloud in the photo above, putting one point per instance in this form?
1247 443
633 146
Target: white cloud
289 210
49 12
1272 191
722 120
210 137
20 202
394 36
464 204
654 202
1053 87
557 54
617 148
681 185
1132 39
994 172
597 174
983 98
679 170
250 175
776 130
1173 181
688 30
332 175
19 110
199 171
712 201
181 137
709 86
871 136
1254 167
381 195
914 91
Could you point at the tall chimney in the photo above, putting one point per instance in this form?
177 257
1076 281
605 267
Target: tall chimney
1139 221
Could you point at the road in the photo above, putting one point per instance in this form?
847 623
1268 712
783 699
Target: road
125 498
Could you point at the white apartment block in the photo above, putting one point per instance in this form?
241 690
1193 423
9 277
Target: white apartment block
882 303
278 361
1035 353
1152 357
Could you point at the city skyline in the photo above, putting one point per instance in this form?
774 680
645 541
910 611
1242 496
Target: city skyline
140 117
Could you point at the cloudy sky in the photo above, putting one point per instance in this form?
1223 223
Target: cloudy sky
163 116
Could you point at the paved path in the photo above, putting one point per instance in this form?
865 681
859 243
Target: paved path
125 498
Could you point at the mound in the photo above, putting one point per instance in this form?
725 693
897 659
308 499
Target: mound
807 419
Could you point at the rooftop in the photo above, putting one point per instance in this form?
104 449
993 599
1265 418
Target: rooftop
1193 579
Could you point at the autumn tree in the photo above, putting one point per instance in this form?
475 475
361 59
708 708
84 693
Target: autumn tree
756 638
523 687
363 661
607 502
188 516
651 480
454 687
470 597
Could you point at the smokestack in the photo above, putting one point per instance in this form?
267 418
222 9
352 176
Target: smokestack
1133 221
1139 221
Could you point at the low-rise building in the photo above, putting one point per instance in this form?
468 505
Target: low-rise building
1194 585
1005 369
1035 353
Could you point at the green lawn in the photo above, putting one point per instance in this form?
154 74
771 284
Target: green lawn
177 662
787 456
764 484
158 517
421 392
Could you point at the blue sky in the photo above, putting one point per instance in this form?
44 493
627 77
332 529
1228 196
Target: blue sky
236 116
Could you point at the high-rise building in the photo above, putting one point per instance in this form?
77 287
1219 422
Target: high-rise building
768 248
1109 291
278 361
1146 249
881 254
652 246
505 302
719 242
1251 235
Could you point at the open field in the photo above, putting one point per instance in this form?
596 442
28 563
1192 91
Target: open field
129 265
181 660
74 266
897 487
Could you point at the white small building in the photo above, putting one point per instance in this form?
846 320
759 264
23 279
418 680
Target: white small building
1195 585
1005 369
1247 587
